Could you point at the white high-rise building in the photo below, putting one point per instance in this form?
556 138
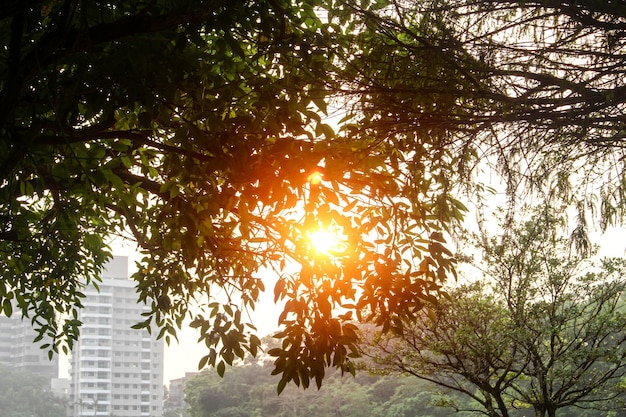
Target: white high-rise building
116 371
17 349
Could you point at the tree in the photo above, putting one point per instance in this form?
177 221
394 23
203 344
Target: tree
463 347
26 395
252 391
174 407
544 329
533 87
197 129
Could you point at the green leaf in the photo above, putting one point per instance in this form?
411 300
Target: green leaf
324 129
281 385
203 362
7 307
221 368
321 105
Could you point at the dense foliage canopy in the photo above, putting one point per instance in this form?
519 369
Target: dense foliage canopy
196 128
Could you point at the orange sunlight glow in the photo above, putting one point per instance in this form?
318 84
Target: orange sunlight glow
314 178
327 242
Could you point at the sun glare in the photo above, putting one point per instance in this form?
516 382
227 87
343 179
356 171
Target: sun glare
326 242
315 178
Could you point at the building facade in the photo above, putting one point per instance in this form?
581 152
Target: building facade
115 370
175 402
17 349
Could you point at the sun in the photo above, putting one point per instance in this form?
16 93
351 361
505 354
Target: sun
325 241
314 178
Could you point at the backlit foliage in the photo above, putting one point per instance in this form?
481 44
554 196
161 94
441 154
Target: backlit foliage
193 128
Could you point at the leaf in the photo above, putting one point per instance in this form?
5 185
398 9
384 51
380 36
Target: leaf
255 343
7 307
221 368
274 352
322 106
278 289
350 206
203 362
139 326
281 385
324 129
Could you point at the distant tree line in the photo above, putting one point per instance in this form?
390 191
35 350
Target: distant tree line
24 394
249 391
